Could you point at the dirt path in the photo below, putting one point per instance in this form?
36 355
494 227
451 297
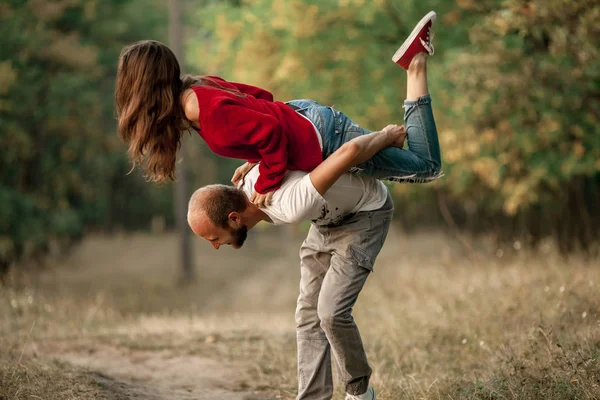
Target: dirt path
157 375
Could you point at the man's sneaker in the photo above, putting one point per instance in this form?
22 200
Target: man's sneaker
368 395
419 41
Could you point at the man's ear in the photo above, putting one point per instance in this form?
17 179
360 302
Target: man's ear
234 218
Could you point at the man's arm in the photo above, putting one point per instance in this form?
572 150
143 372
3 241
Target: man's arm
354 152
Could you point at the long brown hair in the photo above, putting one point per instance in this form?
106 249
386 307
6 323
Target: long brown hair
148 106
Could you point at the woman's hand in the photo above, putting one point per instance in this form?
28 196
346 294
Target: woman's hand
261 200
241 172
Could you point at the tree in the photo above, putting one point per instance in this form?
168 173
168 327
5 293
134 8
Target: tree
61 160
515 88
528 146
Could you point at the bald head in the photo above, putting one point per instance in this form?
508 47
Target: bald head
215 202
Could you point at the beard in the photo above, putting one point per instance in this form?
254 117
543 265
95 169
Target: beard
239 236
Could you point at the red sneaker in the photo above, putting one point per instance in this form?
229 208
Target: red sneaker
419 41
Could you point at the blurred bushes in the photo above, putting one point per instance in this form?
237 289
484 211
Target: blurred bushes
62 167
528 144
515 85
516 93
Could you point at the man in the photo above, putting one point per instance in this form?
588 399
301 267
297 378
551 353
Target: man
350 217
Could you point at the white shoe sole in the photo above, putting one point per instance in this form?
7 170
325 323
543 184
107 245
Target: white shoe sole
370 389
431 15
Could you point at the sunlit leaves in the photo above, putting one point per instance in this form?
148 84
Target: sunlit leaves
523 91
515 84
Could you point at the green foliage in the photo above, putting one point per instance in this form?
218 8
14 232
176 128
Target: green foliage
530 103
515 84
336 52
528 144
62 168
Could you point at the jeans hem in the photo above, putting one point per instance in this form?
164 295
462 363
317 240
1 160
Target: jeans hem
420 101
359 386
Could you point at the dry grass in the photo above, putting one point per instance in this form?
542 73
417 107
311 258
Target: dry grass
31 378
437 324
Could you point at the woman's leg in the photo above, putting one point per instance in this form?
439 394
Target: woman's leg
421 162
421 132
416 79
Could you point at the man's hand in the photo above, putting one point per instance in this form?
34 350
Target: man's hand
241 172
261 200
397 134
354 152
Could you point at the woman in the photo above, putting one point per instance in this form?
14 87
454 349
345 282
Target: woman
154 106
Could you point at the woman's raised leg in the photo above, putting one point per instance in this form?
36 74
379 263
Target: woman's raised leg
421 162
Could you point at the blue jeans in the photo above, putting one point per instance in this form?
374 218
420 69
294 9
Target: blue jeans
421 162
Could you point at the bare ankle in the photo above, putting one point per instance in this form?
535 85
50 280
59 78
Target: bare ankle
418 63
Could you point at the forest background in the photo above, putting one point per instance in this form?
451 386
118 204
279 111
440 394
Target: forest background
515 84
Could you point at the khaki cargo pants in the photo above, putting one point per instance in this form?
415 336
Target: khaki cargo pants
335 264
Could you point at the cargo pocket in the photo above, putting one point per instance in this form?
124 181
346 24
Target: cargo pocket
361 257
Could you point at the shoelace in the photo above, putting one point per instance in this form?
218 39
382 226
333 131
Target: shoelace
427 44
